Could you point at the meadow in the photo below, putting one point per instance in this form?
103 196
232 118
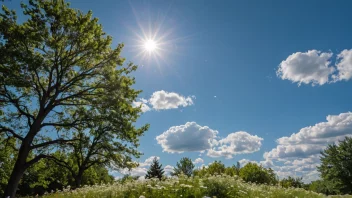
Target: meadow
220 186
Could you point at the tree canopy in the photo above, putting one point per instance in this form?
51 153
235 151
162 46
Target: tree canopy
336 165
184 166
253 172
59 76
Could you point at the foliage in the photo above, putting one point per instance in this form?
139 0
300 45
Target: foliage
7 151
220 186
232 170
155 170
253 172
184 166
325 187
56 69
292 182
336 166
215 168
46 176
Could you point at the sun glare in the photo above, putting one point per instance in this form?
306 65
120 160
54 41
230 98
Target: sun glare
150 45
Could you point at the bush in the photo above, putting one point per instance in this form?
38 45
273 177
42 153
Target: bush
292 182
252 172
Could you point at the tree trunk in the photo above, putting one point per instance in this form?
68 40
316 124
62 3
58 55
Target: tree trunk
78 178
20 165
17 172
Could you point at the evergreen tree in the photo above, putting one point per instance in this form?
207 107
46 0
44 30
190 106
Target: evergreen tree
155 170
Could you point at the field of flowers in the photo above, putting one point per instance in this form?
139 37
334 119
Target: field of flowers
213 186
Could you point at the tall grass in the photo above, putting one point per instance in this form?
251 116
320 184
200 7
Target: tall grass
214 186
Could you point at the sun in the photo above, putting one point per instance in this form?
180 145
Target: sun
150 45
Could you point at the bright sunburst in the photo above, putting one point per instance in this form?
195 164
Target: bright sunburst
150 45
154 39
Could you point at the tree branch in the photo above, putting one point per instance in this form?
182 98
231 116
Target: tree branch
16 103
35 160
5 129
58 141
61 163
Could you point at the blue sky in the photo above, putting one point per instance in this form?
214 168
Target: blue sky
237 77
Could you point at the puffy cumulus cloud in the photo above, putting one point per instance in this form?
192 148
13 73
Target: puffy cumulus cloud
305 170
292 151
266 163
142 103
188 137
198 161
335 128
168 169
299 153
243 162
314 67
141 170
310 67
193 137
169 100
236 143
148 161
161 100
344 65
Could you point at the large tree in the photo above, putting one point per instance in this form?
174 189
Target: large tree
336 165
184 166
54 67
100 145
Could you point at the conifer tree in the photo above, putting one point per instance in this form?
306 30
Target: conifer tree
155 170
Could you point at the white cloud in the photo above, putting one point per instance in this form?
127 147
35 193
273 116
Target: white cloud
188 137
311 67
243 162
344 65
236 143
267 163
161 100
300 152
143 104
141 170
198 161
292 151
314 67
148 161
193 137
168 169
169 100
336 127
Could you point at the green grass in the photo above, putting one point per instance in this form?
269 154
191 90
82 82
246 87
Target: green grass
213 186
